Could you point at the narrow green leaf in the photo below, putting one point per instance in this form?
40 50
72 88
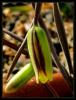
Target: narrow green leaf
19 79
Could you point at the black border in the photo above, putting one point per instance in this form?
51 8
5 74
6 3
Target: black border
1 50
2 44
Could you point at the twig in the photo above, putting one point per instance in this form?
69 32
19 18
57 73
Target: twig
13 35
16 57
62 36
13 46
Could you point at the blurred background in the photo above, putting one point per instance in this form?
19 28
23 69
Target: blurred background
17 18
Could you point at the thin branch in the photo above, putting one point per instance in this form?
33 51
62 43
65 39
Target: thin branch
16 57
13 35
62 36
13 46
